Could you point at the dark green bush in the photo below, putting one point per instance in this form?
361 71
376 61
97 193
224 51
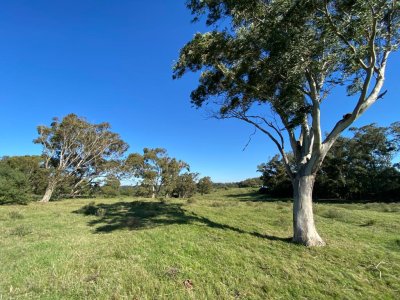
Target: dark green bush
14 186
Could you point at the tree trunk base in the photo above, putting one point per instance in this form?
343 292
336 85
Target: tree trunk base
304 231
315 241
49 192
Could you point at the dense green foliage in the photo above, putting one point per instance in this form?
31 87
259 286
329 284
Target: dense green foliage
185 186
359 167
32 167
275 180
158 173
271 64
362 167
14 185
232 245
205 185
24 179
288 56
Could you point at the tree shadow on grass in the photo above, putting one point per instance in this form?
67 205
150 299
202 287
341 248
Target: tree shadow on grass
139 215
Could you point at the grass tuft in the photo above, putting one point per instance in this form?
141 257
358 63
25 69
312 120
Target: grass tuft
15 215
333 213
191 201
369 222
172 272
21 230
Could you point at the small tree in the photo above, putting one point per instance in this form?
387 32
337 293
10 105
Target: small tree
205 185
111 187
185 186
157 171
287 56
75 148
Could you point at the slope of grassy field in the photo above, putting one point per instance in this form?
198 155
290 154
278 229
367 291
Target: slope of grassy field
231 244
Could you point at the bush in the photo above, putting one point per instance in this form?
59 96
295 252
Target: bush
205 185
14 186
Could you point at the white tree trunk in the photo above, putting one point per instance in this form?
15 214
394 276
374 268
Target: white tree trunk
49 191
304 231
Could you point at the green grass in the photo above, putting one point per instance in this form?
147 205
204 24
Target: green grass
233 244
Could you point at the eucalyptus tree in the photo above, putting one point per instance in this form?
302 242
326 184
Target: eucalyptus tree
157 171
287 56
205 185
186 186
360 166
75 148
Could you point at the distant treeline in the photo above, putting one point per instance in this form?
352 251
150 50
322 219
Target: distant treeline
255 182
80 159
24 179
360 167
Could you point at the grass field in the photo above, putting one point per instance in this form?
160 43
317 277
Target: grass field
227 245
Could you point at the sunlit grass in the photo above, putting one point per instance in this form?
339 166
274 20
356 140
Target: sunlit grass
231 244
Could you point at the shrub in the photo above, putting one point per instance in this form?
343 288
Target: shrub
14 186
205 185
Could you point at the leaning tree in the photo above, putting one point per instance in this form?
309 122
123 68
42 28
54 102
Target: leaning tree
287 56
75 149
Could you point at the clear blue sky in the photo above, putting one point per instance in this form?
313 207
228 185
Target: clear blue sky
111 61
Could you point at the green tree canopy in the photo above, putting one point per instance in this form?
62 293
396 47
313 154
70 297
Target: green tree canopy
283 59
33 168
14 185
185 186
157 171
205 185
76 148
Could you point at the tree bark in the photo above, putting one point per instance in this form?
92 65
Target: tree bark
304 231
49 191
